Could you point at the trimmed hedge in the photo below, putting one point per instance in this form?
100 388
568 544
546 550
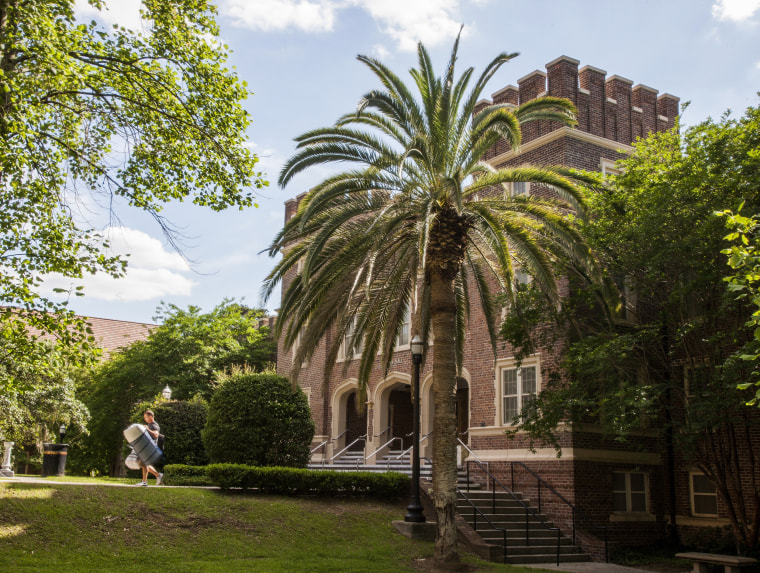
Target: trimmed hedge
178 474
258 419
291 481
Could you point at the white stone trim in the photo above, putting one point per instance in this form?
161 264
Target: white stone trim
558 134
570 454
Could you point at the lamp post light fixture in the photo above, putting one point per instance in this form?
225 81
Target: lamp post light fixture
167 393
62 431
414 509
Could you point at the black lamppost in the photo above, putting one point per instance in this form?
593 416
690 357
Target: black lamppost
62 431
414 510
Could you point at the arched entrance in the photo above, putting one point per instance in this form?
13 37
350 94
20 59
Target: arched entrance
393 412
356 423
400 415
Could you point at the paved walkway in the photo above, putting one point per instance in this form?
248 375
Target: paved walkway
588 568
41 480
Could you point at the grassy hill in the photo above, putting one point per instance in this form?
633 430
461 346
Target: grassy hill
87 527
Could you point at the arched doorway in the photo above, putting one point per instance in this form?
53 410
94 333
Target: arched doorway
356 423
400 414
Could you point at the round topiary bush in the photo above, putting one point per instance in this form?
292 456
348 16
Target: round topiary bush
258 419
181 422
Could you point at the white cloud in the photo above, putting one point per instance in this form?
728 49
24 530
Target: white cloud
153 272
269 15
380 52
431 22
125 13
735 10
406 21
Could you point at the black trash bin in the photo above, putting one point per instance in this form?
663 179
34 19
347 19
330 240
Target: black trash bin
54 459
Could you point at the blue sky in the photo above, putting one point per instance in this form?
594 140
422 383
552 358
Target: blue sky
299 60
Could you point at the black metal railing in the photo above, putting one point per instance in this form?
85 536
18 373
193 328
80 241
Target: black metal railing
475 512
529 511
574 511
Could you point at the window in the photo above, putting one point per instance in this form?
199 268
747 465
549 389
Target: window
520 188
403 337
518 388
697 381
609 167
522 279
297 344
629 492
348 339
627 313
704 497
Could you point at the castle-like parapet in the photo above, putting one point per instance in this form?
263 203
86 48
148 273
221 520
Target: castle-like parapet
609 107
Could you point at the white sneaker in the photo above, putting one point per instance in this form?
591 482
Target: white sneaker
159 479
142 483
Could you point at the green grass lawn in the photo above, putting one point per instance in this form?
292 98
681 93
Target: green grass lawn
57 527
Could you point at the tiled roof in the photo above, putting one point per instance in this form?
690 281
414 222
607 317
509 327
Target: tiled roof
110 335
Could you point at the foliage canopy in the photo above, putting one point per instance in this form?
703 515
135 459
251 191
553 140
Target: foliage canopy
186 352
673 356
91 117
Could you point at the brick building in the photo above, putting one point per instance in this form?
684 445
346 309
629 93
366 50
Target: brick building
622 487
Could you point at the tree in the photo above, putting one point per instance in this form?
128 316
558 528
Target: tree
420 222
258 419
187 352
673 357
90 115
744 257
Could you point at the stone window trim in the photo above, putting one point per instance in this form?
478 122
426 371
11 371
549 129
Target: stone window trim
532 365
346 338
702 495
609 167
630 493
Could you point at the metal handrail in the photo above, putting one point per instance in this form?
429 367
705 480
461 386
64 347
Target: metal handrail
340 453
327 442
319 446
473 454
381 447
381 433
407 450
527 508
574 510
475 511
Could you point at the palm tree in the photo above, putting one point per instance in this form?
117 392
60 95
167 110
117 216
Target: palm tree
419 222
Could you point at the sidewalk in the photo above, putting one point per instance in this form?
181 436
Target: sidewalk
588 568
45 481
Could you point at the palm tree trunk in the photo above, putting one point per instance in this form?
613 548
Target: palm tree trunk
443 315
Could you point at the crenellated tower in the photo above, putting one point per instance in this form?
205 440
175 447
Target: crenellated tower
612 114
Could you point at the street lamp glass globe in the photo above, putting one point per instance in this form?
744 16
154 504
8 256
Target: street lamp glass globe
417 346
166 393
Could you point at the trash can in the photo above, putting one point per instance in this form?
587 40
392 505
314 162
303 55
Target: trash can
54 459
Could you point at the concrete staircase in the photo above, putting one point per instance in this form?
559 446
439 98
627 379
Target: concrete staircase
537 544
393 461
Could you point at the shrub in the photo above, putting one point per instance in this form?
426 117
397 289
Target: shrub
182 423
296 481
258 419
178 474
